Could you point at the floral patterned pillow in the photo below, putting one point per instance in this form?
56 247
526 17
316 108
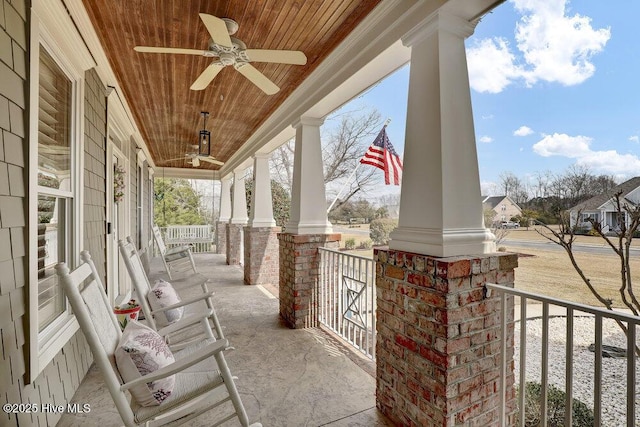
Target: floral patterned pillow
141 351
163 295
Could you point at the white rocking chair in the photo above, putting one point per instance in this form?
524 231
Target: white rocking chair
178 258
142 286
194 393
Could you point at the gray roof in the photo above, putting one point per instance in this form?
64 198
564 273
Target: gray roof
493 201
596 201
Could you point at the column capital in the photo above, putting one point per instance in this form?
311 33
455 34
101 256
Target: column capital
262 156
439 21
307 121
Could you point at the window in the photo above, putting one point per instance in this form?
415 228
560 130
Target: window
55 187
58 59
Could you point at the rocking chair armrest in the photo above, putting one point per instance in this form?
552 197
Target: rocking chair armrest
179 365
184 302
189 320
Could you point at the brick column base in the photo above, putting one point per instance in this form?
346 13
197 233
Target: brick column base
299 271
439 344
234 243
261 255
221 237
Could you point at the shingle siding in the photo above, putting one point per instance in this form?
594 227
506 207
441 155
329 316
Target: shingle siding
12 212
95 207
59 380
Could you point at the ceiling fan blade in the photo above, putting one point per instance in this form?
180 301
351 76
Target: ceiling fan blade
212 160
160 49
257 78
294 57
217 29
207 76
174 159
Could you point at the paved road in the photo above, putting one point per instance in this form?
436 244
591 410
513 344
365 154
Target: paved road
516 243
346 230
593 249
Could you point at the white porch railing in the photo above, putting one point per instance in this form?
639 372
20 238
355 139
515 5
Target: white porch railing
347 298
608 386
200 236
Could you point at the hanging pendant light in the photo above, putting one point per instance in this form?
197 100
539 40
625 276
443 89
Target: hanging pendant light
204 138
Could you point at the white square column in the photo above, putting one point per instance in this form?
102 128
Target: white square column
261 214
239 200
440 205
308 199
238 220
225 199
225 214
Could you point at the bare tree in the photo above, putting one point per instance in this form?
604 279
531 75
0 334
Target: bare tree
619 240
281 165
514 187
342 148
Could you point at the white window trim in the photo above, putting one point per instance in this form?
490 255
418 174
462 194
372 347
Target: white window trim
52 28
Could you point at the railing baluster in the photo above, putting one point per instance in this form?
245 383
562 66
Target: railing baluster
523 359
503 358
545 364
597 375
568 404
631 375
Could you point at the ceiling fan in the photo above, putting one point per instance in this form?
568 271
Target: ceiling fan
194 159
232 51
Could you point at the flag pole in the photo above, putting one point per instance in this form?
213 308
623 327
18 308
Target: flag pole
386 123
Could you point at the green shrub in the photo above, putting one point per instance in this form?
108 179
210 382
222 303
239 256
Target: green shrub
582 414
379 230
350 243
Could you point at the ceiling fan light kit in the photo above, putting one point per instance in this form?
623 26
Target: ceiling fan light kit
204 138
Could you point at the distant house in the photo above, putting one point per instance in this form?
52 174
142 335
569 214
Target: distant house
503 206
601 208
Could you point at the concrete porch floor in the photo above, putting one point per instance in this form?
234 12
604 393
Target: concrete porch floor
286 377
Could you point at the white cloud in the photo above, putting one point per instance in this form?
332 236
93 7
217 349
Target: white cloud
491 65
561 144
553 47
523 131
578 147
612 162
634 138
486 139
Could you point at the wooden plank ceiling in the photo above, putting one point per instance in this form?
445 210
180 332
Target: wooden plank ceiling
156 86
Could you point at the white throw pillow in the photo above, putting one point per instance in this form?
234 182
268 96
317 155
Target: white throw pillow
163 295
141 351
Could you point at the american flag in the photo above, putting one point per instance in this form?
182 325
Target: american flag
382 155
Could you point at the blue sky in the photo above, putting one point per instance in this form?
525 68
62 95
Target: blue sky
554 83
